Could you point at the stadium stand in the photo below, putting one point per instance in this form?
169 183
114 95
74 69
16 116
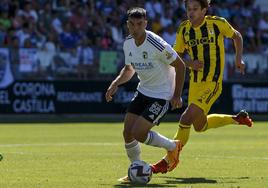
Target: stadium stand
71 39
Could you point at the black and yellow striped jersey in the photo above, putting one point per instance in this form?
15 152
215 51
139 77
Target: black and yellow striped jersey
206 44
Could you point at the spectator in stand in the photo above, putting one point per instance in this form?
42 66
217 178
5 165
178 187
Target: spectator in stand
68 39
23 33
166 19
263 25
28 12
56 22
14 46
5 21
150 9
107 40
50 44
169 35
46 16
78 18
157 6
157 26
117 33
101 21
86 67
17 20
107 7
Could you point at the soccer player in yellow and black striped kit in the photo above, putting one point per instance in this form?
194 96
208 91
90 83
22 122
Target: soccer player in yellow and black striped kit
202 37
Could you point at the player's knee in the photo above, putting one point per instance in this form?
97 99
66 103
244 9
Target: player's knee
138 137
127 134
186 119
199 127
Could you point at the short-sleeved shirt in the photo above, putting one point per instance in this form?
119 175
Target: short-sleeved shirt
151 61
206 44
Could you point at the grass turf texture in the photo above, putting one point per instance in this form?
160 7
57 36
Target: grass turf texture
92 155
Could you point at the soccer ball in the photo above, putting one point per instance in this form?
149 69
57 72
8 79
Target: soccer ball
139 172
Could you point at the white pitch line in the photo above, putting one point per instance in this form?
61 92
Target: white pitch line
61 144
230 157
150 154
117 144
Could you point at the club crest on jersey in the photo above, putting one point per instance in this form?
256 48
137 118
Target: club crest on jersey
211 32
168 55
145 55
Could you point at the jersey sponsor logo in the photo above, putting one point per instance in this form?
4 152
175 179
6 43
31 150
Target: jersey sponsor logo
142 66
145 55
151 116
204 40
155 108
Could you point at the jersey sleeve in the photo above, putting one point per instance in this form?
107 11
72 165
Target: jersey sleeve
226 29
168 55
179 45
127 54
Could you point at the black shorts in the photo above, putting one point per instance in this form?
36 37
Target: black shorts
152 109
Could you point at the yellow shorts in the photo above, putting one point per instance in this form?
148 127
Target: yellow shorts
204 94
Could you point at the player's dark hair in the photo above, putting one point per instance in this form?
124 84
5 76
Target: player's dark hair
136 12
203 3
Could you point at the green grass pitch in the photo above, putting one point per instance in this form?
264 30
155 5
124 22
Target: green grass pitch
86 155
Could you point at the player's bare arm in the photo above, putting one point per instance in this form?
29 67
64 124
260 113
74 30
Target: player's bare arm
195 65
238 42
176 101
125 75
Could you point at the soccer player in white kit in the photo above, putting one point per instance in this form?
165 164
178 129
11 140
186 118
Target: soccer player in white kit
161 73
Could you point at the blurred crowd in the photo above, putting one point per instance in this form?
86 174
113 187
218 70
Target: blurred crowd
84 27
67 24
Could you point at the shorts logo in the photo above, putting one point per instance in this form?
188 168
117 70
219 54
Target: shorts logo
155 108
204 95
135 95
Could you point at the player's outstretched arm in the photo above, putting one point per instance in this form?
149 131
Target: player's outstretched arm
125 75
176 101
238 42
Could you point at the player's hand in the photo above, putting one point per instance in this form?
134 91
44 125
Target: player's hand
110 92
240 66
176 102
197 65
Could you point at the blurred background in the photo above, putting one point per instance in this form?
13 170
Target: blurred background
59 56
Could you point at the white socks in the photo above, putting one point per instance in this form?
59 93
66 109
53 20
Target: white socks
158 140
133 150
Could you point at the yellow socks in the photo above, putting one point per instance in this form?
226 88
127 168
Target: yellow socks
183 133
218 120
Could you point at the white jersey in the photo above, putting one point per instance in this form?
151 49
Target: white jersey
151 60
